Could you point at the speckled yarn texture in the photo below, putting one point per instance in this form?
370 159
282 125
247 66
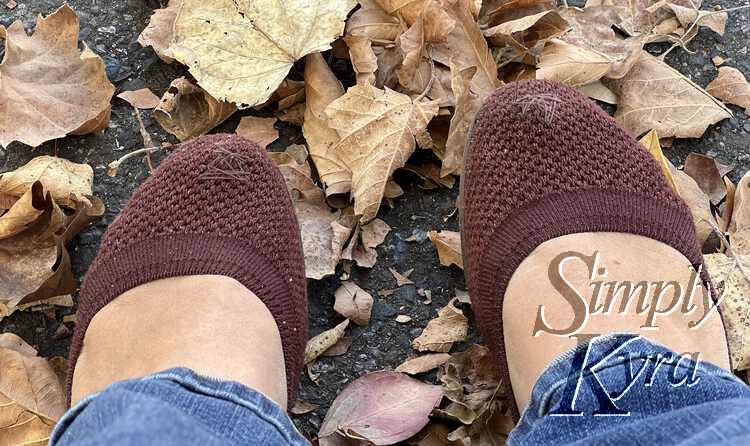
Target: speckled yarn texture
544 161
217 205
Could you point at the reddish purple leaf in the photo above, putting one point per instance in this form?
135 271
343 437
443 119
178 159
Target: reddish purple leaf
381 407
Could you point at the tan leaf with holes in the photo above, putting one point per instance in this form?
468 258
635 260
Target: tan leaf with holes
48 86
241 50
377 130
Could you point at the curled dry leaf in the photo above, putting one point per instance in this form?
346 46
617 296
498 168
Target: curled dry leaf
361 247
528 33
471 382
32 399
731 87
353 303
735 304
655 96
424 363
160 30
340 347
259 130
381 408
302 407
651 142
494 12
377 130
364 61
186 111
448 245
373 22
241 50
72 96
143 98
466 47
416 70
448 327
708 174
322 342
67 182
321 88
468 102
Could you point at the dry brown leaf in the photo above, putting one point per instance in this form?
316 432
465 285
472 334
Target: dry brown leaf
321 88
67 182
160 30
731 87
73 91
735 304
528 33
353 303
466 47
597 90
494 12
698 202
424 363
468 102
241 50
448 245
718 61
377 130
32 399
143 98
471 382
361 247
259 130
571 64
302 407
592 28
379 408
448 327
416 71
655 96
713 20
739 226
186 111
340 347
708 174
402 279
293 115
322 342
364 61
373 22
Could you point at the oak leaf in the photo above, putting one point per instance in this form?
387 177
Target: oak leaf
655 96
241 50
73 94
376 130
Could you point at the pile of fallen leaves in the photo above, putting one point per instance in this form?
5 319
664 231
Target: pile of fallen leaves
421 70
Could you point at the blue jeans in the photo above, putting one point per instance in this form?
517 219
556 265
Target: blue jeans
613 390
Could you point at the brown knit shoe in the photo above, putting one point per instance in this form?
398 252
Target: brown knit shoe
543 161
217 205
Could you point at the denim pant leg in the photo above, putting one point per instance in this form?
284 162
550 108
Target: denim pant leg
623 389
176 407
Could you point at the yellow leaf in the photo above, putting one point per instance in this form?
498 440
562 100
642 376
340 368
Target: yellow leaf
377 130
651 142
241 50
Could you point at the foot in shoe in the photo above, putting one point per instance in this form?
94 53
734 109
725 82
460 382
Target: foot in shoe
548 172
214 218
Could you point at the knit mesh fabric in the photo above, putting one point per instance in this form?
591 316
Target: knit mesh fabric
544 161
217 205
